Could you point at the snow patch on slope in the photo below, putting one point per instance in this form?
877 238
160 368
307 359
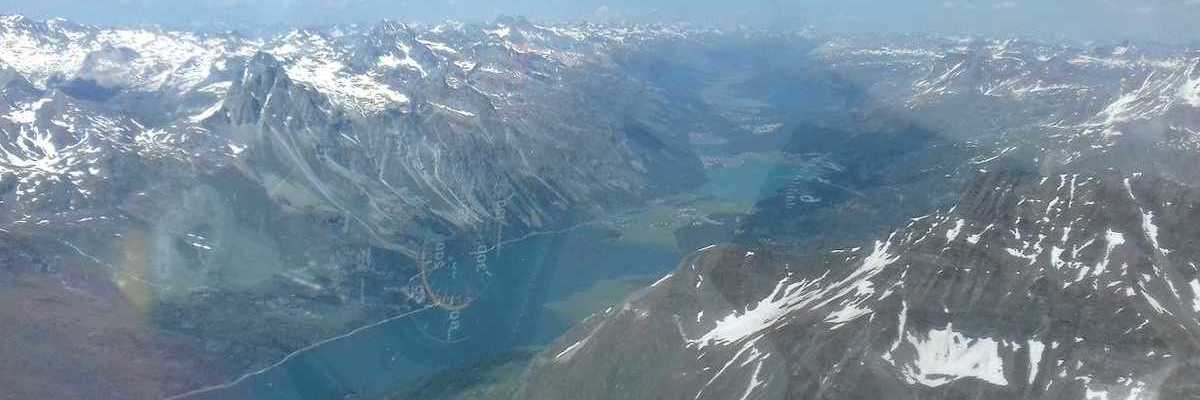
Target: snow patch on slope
953 232
944 355
311 60
1189 91
805 294
1151 230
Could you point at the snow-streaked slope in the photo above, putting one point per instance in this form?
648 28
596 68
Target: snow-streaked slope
1074 290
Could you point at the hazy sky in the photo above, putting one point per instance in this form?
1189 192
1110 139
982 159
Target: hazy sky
1166 20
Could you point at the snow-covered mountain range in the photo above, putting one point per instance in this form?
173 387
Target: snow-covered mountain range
301 178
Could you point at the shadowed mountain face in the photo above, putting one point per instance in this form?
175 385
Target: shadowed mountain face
336 211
